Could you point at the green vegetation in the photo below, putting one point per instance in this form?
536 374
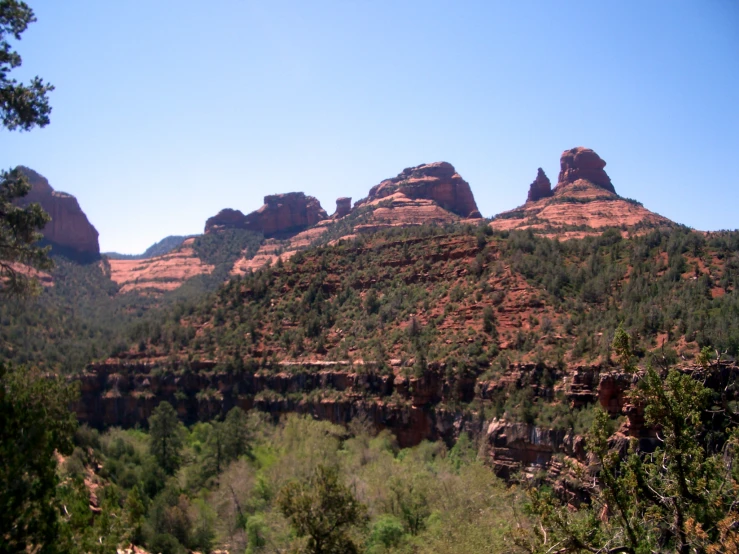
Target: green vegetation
83 317
321 509
35 422
431 296
303 485
679 498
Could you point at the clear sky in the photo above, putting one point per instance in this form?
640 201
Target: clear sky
166 111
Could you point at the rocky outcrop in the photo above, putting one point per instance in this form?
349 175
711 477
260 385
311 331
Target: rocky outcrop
438 182
225 219
540 188
69 230
583 164
582 204
280 214
343 207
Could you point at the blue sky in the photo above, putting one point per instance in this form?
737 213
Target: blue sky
167 111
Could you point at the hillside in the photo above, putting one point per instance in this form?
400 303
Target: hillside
86 309
398 309
430 331
354 301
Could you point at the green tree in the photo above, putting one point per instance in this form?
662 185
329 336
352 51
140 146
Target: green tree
622 346
321 510
166 435
21 107
236 434
35 421
135 511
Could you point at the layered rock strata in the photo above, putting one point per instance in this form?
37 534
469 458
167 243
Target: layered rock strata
438 182
158 274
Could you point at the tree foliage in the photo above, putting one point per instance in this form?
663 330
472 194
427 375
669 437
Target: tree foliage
35 421
321 510
166 434
679 497
21 107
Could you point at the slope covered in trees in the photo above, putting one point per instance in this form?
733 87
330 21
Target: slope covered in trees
471 299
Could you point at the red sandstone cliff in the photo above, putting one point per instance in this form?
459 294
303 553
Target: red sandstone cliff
437 181
69 227
281 213
426 194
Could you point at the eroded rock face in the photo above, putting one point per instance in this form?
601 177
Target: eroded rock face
69 227
343 207
281 213
583 163
540 188
437 181
582 204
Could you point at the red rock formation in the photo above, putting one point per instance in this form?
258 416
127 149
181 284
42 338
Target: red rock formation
583 163
436 181
540 188
69 227
225 219
583 203
343 207
281 213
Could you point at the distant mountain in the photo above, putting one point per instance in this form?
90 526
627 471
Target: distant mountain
164 246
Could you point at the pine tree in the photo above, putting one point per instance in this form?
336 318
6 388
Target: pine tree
21 107
166 435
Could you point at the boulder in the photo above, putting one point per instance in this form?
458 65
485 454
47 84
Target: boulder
583 164
69 229
540 188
